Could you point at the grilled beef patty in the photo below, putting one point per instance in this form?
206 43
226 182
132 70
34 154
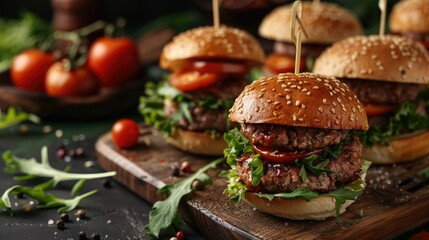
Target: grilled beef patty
292 138
285 177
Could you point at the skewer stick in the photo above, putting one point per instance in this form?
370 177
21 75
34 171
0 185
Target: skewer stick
316 1
382 5
297 34
215 7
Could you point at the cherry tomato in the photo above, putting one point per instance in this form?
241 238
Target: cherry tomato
28 69
125 133
276 156
220 67
190 81
423 235
115 61
281 63
374 110
60 82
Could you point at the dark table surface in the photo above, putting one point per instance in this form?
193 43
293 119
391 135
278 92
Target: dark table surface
113 212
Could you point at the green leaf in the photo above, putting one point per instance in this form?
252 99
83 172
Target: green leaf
297 193
237 145
164 215
44 169
341 195
78 186
235 188
13 117
424 173
257 169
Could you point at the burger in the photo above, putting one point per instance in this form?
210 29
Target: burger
390 75
326 23
296 155
209 68
409 18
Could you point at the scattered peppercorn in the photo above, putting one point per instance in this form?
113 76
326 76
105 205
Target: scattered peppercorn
176 172
107 183
80 152
197 185
185 167
61 225
72 153
64 217
89 164
82 235
180 235
26 207
80 213
20 195
174 238
61 152
95 236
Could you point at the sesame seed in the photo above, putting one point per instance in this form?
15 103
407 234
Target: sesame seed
280 95
293 86
287 90
269 100
304 90
300 119
260 95
320 109
288 97
280 80
264 83
297 102
334 104
284 86
288 102
276 103
273 89
294 118
337 122
299 87
308 93
256 109
275 114
263 89
316 87
332 110
339 99
303 106
354 109
324 101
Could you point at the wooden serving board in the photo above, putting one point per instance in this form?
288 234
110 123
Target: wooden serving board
394 201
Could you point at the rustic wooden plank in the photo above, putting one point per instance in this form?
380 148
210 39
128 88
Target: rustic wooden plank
394 201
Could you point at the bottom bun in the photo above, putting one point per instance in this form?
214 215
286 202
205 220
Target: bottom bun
197 143
318 208
402 149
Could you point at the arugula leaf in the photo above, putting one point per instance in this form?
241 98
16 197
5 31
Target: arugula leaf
307 194
13 117
237 145
424 173
257 169
405 120
45 200
152 106
309 163
43 169
235 188
341 195
164 215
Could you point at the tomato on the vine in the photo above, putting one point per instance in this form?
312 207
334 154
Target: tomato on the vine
28 69
62 82
115 61
125 133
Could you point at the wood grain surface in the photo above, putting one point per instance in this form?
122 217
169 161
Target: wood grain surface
395 199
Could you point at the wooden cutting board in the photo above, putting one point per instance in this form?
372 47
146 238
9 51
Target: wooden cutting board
394 201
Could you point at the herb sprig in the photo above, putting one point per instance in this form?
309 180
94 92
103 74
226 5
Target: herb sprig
164 215
13 117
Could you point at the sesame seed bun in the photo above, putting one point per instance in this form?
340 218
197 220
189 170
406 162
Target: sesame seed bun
210 43
400 149
410 16
389 58
325 22
302 100
197 143
318 208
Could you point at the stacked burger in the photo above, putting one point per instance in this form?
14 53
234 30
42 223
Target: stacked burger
390 75
409 18
325 22
209 67
297 155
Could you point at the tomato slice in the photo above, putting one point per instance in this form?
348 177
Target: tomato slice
374 110
281 63
220 67
277 156
193 80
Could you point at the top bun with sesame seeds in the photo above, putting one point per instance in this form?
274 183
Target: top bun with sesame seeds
385 58
300 100
292 124
224 43
410 16
325 22
388 74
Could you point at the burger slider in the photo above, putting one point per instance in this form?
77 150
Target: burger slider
389 74
208 72
296 151
326 23
410 18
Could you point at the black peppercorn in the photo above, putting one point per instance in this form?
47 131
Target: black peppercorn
64 217
107 183
80 213
61 225
176 172
82 235
95 236
197 185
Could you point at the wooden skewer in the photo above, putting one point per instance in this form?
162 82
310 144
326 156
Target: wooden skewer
296 35
215 6
382 5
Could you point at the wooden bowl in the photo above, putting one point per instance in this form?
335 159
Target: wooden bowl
106 103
